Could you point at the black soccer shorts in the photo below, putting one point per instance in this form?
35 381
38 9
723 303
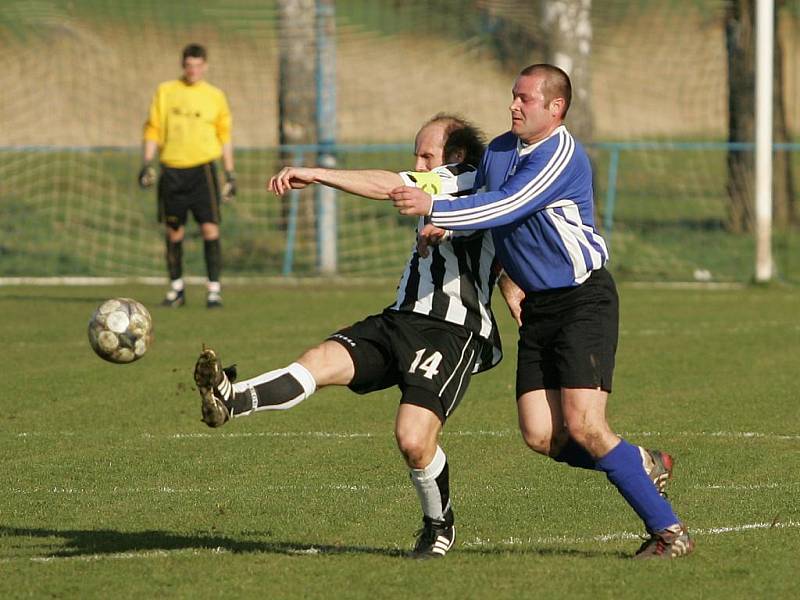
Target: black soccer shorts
180 191
568 337
430 360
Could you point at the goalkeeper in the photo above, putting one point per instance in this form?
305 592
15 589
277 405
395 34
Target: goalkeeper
190 125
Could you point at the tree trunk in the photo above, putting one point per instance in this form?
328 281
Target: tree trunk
784 213
569 44
297 94
740 37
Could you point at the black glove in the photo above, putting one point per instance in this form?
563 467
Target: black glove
147 176
229 187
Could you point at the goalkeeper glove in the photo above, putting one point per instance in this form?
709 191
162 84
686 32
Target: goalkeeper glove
147 176
229 187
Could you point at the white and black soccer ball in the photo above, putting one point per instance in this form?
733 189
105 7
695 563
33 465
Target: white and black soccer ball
121 330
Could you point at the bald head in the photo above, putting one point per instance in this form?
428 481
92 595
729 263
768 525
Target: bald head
445 139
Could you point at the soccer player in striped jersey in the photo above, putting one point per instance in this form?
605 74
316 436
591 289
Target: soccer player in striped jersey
538 202
189 123
438 332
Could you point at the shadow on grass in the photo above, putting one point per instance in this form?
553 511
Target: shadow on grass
78 542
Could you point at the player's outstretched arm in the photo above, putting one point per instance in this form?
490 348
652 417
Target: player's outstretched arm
369 183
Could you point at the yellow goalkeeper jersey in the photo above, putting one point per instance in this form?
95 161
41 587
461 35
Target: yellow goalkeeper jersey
190 123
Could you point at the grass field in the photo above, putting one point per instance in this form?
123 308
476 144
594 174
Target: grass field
112 487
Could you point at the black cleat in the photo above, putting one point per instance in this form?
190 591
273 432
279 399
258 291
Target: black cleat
215 386
434 539
174 299
214 300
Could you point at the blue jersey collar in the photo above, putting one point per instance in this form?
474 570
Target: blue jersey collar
523 149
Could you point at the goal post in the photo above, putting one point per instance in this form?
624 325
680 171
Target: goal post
327 247
765 35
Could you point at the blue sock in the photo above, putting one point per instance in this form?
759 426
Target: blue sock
623 467
575 455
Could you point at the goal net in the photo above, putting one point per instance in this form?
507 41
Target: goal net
78 78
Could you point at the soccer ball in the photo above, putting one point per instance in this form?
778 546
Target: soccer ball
120 330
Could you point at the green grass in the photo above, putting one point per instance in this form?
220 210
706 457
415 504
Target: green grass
112 487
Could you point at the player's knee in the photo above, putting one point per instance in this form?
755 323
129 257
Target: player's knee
415 448
538 441
175 235
312 356
584 431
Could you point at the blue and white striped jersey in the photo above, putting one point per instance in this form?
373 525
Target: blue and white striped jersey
539 205
454 282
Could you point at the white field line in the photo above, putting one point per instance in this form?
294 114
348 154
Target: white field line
476 542
163 281
359 488
701 328
272 434
452 433
624 535
312 281
164 489
685 285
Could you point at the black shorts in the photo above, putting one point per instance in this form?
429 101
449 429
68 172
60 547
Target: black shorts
195 189
568 337
430 360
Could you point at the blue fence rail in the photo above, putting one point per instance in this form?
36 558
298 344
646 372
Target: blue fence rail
616 148
308 153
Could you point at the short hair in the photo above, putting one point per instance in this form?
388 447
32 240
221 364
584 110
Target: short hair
556 83
460 134
195 51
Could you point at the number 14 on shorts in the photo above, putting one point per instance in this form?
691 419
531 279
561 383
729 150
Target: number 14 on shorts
429 366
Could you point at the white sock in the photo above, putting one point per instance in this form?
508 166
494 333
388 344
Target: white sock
176 285
428 490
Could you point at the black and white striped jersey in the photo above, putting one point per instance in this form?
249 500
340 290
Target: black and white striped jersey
454 282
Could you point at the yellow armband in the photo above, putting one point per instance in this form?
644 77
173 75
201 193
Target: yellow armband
429 183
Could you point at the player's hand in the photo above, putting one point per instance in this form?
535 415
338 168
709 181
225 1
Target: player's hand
291 178
147 176
229 187
513 295
411 201
431 236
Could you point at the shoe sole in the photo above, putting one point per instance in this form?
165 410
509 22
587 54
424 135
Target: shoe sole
206 372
